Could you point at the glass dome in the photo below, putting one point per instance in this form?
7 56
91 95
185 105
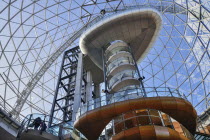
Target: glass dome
32 34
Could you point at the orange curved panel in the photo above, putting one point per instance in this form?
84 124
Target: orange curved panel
131 134
97 119
150 132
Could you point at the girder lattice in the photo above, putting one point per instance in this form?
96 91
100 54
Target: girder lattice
32 31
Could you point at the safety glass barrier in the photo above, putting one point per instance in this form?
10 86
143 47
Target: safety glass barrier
68 129
144 117
119 61
127 95
115 50
40 122
108 59
8 109
107 133
203 127
121 76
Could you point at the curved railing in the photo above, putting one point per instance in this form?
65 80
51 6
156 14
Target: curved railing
120 76
118 62
143 117
127 95
8 109
118 55
57 128
120 48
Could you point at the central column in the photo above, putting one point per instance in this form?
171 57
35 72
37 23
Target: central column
121 70
117 60
78 87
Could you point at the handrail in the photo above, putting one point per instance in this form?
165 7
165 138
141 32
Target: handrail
114 54
58 128
116 63
120 76
8 108
169 122
122 49
127 95
28 123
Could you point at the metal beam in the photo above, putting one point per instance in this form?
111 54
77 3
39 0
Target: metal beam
78 86
34 80
89 86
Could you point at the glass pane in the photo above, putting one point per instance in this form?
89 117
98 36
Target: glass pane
156 121
144 120
130 123
166 120
187 133
154 112
177 126
118 119
119 127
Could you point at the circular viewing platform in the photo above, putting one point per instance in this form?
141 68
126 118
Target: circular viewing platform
96 114
138 27
148 124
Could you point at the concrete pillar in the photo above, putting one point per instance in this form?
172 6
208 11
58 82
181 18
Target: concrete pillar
89 86
97 89
78 87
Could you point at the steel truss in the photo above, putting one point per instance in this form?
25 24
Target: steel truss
196 8
62 106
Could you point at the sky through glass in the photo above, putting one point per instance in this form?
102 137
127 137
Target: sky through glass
31 31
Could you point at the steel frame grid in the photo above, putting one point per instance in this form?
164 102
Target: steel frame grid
17 71
62 105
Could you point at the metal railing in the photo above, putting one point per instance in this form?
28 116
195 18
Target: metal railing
110 53
121 76
145 117
58 128
7 108
116 53
117 62
128 95
162 7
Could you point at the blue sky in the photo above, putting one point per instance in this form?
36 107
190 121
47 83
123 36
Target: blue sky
179 58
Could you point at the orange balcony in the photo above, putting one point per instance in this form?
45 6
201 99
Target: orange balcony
94 121
148 124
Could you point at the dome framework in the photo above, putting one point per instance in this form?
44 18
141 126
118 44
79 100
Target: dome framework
35 33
